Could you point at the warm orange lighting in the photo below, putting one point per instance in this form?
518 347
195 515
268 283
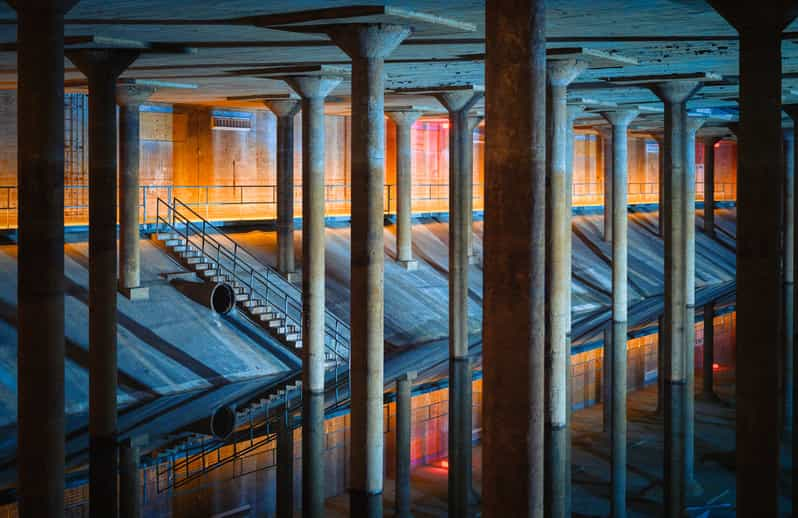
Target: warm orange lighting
445 125
715 367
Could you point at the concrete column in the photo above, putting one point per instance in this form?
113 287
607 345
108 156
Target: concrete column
660 140
709 185
130 98
675 95
574 111
660 365
473 122
620 120
404 425
40 277
606 150
708 390
102 68
404 120
606 381
285 111
789 302
759 285
514 248
559 74
458 102
313 90
692 124
285 468
367 46
129 482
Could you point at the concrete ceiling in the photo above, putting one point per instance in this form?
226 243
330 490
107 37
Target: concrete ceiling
664 36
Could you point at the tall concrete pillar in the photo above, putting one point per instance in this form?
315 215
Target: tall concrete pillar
130 97
708 389
367 45
792 424
473 122
285 468
129 480
313 90
759 286
285 111
559 74
102 68
458 102
692 124
660 140
675 95
404 426
40 275
404 120
660 411
514 248
606 151
709 185
606 381
574 111
620 120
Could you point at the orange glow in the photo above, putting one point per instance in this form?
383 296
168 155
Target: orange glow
445 464
715 367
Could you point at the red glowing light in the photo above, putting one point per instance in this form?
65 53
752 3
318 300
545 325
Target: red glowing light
445 464
715 367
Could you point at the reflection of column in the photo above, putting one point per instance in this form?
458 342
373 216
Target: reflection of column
367 46
606 380
284 451
102 68
708 391
759 283
313 90
559 74
620 120
789 275
130 98
40 277
129 484
709 185
404 120
285 111
674 95
660 365
514 248
692 124
457 103
404 423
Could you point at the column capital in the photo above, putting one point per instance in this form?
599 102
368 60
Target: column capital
773 15
313 86
574 111
693 124
403 116
283 108
474 120
675 91
132 94
562 72
62 6
98 63
620 117
459 100
368 40
407 376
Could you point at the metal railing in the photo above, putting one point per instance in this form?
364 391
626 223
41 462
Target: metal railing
258 202
260 281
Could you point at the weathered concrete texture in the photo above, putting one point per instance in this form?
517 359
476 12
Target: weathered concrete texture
404 120
130 98
285 111
559 75
759 282
40 368
102 68
367 46
285 468
675 94
514 249
313 90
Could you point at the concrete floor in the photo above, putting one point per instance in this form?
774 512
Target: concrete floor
714 466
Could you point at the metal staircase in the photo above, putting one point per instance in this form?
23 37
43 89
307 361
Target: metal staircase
265 297
262 293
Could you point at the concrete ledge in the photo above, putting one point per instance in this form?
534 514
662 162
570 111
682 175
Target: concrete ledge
410 265
183 276
137 293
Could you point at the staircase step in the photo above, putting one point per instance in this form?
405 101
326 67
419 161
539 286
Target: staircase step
209 272
278 322
175 241
204 266
292 337
163 236
251 303
193 259
260 310
241 297
267 317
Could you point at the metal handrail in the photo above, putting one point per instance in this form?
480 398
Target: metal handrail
261 281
